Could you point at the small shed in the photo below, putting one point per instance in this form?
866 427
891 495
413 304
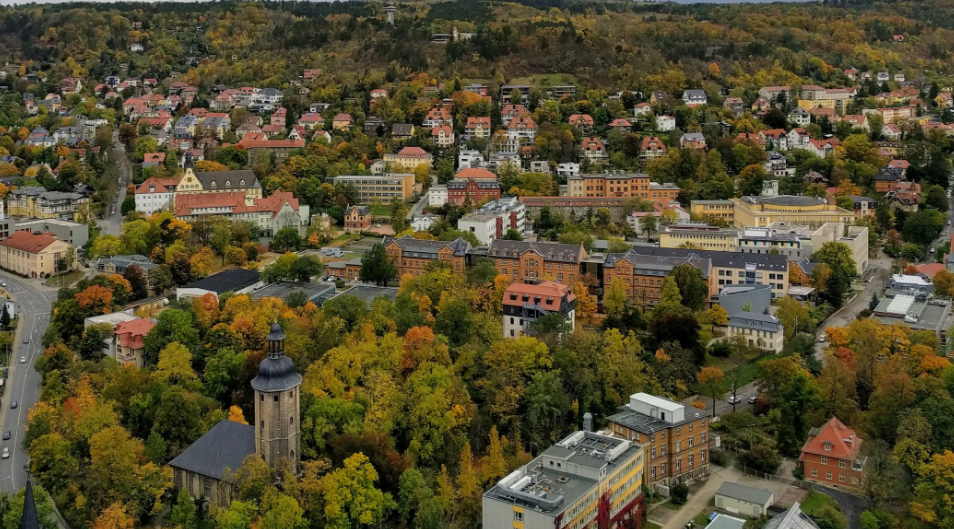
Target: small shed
722 521
742 500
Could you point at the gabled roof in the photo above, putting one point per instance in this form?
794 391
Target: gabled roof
569 253
26 241
793 518
407 243
841 441
234 179
222 447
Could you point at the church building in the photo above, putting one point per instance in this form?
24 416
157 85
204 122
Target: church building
205 469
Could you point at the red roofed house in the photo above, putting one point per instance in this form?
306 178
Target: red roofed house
153 159
436 117
258 145
523 303
593 149
129 337
621 125
522 130
775 138
342 122
409 158
278 118
831 456
311 120
928 269
155 194
443 135
477 127
509 112
584 122
36 255
651 148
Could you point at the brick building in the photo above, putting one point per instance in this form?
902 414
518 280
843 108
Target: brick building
412 256
357 218
530 261
644 274
475 191
675 438
831 456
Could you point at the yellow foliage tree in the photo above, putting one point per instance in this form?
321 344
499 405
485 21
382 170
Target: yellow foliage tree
236 415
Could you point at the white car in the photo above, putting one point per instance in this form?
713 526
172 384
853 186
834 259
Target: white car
4 283
821 339
6 453
734 399
22 359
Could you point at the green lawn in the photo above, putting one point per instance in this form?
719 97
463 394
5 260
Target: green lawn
749 372
815 500
65 280
672 506
545 80
384 210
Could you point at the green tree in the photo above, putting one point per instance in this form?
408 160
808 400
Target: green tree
936 197
172 325
94 340
376 267
286 239
838 257
183 513
615 299
283 512
693 289
128 205
648 225
13 516
797 398
399 213
512 235
350 497
791 313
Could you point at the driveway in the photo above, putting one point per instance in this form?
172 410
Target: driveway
852 506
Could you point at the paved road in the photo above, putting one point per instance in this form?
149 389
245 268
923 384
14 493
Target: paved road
113 224
418 209
23 382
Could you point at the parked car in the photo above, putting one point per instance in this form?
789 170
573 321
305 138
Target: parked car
6 453
4 283
26 341
752 399
7 435
22 359
13 405
821 339
733 399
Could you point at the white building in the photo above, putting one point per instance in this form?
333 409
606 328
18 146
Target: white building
155 194
112 319
568 169
468 159
493 219
665 123
524 303
424 222
437 196
758 330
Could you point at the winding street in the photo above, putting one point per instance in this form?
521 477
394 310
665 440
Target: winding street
22 381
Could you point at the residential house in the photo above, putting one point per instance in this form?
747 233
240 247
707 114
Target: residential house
492 220
797 138
443 136
775 139
694 98
524 303
438 116
622 125
891 132
799 116
129 337
357 218
402 131
270 214
905 196
750 137
888 178
665 123
651 148
777 165
153 159
477 127
593 149
944 100
511 112
584 122
259 146
467 159
735 105
642 110
409 158
311 120
660 99
155 194
342 122
692 140
856 121
771 93
374 126
521 130
832 456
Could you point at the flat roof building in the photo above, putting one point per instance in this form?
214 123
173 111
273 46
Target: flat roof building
569 485
382 187
316 293
236 280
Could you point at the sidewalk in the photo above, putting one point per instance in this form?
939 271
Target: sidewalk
700 500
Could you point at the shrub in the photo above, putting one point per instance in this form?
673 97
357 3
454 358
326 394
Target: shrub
719 457
869 521
679 494
799 473
828 517
761 458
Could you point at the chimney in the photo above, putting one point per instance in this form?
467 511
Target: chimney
587 422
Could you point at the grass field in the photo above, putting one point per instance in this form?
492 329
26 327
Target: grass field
66 279
749 371
384 210
545 80
816 500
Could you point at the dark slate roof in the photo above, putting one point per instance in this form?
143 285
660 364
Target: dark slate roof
744 493
462 184
402 129
30 520
233 177
646 424
227 280
362 210
222 447
889 174
721 259
410 244
551 251
660 265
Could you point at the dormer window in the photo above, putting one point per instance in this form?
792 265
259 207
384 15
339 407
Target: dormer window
242 183
213 184
228 183
827 447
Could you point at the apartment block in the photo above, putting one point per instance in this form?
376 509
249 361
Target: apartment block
675 438
382 187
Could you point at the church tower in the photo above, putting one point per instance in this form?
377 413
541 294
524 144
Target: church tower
277 404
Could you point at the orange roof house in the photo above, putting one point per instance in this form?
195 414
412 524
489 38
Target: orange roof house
831 456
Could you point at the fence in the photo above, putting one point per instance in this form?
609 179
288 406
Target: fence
800 483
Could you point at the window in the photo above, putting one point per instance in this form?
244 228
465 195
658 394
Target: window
690 459
678 430
814 472
828 447
854 481
275 398
828 475
207 487
841 463
678 446
841 478
654 453
517 516
824 460
690 442
653 472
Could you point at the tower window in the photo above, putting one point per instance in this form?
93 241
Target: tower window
263 425
262 397
291 420
275 398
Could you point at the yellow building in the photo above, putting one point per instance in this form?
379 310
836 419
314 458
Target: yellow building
699 236
381 187
566 485
795 210
38 203
720 209
809 104
36 255
220 182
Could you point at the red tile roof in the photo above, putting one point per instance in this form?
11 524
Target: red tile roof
234 200
257 140
475 173
161 185
132 332
26 241
550 294
841 441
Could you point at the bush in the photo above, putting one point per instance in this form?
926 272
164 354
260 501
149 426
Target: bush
798 472
869 521
828 517
720 349
761 458
719 457
679 494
